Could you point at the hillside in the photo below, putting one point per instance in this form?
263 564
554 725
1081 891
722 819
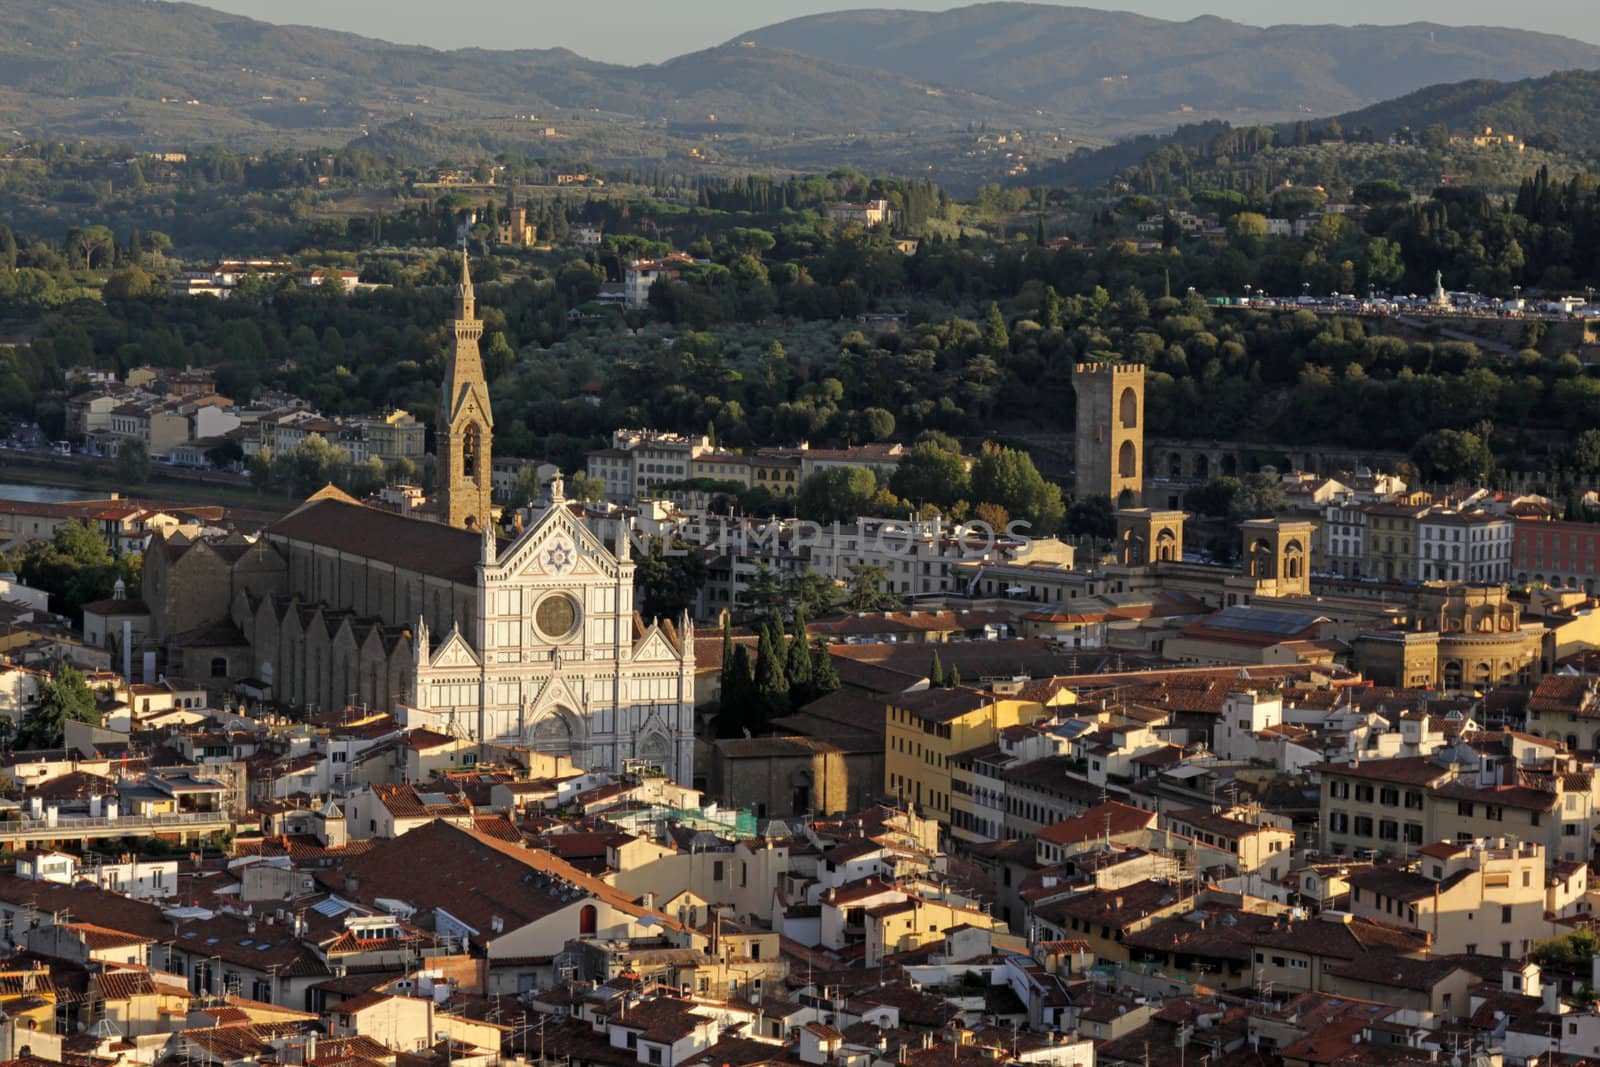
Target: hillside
1560 105
1556 112
151 71
1120 70
899 91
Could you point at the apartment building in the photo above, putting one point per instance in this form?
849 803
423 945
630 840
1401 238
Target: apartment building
924 731
924 556
1560 554
1464 546
1391 540
1344 538
640 274
640 460
866 214
1482 897
979 776
917 557
397 435
161 424
1392 807
777 470
1258 841
880 459
721 465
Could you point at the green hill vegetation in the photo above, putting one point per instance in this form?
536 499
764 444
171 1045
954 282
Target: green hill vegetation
1121 70
852 87
1420 140
156 72
1556 111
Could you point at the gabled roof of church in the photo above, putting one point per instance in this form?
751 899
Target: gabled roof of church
411 544
556 515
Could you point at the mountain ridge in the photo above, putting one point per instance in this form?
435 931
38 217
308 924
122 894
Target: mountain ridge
107 53
1075 58
156 73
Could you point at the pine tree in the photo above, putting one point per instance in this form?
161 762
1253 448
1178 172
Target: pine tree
935 671
63 697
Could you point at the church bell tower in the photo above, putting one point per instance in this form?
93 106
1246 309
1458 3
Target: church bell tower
466 425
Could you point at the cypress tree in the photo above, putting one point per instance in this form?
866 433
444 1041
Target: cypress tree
772 679
727 644
953 679
739 710
799 663
1051 308
935 671
824 679
780 640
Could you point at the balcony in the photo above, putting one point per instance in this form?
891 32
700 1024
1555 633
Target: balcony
82 827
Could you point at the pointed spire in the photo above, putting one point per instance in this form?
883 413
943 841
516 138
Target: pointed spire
420 642
465 302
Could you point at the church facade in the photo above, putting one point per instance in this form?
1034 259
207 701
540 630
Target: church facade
531 642
557 657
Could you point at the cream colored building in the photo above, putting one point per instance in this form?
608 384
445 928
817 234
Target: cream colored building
1394 806
1258 841
1484 898
913 922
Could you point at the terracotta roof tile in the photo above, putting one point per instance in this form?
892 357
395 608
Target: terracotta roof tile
411 544
1112 817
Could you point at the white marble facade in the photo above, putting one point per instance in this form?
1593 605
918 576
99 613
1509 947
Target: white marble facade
557 659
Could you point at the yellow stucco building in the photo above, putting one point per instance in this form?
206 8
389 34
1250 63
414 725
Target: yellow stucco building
923 729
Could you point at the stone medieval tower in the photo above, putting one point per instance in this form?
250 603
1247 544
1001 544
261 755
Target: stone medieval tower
1108 450
466 426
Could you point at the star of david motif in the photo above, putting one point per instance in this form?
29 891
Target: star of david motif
558 559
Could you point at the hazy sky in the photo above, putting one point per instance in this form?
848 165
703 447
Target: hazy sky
644 31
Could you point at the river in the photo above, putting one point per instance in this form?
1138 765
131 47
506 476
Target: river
44 493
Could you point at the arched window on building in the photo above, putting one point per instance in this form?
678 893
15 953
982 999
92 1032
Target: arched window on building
469 451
